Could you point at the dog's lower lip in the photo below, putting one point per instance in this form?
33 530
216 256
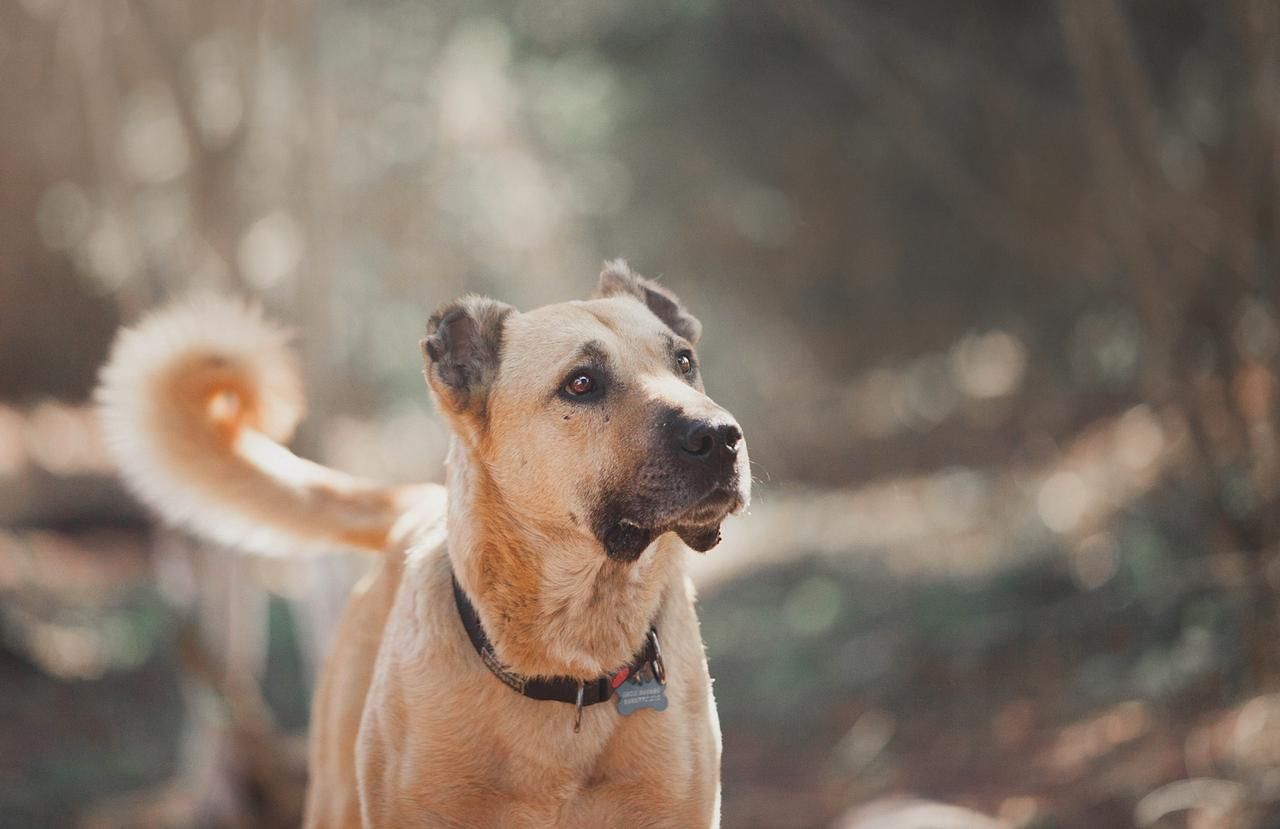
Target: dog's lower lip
709 510
712 507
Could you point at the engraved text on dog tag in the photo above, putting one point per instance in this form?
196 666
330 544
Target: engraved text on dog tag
644 691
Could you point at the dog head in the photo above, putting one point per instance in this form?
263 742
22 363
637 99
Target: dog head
591 417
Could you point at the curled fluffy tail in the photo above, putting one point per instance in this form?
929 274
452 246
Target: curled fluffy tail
194 403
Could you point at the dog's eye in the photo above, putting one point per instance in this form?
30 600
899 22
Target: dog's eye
580 384
684 362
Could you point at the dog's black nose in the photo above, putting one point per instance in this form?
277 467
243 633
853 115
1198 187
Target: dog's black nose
704 440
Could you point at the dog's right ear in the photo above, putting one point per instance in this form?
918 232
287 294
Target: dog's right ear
462 350
617 279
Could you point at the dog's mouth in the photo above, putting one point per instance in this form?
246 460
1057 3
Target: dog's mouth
698 525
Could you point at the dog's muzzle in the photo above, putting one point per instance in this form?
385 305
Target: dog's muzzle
694 477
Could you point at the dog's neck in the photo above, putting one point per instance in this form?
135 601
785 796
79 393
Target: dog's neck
550 600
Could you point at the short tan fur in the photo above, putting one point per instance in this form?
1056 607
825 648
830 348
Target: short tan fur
567 520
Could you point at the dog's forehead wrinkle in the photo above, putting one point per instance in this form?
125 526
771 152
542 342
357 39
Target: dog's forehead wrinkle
627 316
600 318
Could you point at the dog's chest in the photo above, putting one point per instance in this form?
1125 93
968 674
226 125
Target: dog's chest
440 735
553 777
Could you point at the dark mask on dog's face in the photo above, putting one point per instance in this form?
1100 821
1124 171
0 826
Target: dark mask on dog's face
591 417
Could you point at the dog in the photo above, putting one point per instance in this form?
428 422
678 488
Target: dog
525 652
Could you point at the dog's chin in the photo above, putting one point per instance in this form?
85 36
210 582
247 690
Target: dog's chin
698 527
701 538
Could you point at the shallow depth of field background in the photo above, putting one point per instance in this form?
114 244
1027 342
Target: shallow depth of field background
992 288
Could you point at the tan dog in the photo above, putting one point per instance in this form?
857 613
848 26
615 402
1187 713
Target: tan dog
586 458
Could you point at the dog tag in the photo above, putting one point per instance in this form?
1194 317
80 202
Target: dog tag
642 691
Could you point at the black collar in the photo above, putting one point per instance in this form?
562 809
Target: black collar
556 688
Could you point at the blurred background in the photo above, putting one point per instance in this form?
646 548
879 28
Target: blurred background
992 288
